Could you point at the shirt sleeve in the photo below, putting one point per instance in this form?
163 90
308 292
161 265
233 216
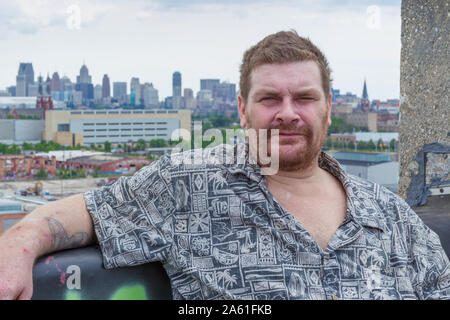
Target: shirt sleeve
133 217
429 260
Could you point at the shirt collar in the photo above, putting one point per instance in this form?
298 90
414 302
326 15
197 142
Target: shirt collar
356 209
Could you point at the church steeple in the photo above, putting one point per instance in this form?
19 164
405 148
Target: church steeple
365 95
365 103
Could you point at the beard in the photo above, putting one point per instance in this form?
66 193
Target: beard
296 153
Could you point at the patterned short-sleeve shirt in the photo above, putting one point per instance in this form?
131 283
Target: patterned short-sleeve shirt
220 234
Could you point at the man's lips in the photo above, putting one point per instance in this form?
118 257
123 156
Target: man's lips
290 134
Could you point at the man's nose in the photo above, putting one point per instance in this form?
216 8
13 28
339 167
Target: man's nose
287 112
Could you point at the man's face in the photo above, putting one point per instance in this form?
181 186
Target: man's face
289 97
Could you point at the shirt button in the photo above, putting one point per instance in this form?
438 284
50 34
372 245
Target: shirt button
335 298
328 256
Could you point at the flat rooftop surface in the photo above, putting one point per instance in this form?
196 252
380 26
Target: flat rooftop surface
436 214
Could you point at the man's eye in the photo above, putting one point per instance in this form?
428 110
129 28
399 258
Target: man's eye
267 98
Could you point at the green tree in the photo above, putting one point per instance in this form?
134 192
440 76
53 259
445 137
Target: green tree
393 145
380 144
371 145
141 144
158 143
361 145
351 145
107 146
42 174
27 146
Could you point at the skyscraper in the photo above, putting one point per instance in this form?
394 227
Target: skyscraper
98 93
24 78
106 89
189 101
176 84
177 100
120 91
225 92
135 92
84 84
84 76
149 95
208 84
56 82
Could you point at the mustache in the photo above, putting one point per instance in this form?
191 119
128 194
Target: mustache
291 129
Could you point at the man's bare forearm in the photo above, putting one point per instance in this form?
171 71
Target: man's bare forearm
59 225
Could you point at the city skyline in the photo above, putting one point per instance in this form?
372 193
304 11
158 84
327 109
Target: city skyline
201 40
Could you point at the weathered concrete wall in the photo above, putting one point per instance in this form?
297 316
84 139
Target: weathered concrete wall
424 92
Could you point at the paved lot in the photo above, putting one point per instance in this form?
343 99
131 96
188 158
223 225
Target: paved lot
436 214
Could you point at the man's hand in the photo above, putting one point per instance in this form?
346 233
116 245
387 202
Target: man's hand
59 225
16 266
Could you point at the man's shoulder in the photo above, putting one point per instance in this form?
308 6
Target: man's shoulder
388 202
203 158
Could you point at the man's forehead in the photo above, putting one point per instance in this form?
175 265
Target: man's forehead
294 76
299 74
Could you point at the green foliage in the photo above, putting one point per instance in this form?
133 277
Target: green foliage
393 145
351 145
158 143
62 173
338 126
371 145
12 149
141 145
42 174
107 146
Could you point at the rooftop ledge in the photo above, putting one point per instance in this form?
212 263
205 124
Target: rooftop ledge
78 274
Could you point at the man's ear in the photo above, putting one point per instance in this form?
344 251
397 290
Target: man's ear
242 111
329 106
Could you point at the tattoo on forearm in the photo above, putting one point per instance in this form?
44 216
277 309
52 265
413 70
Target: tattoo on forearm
60 238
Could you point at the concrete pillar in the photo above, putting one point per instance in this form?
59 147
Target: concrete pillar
424 136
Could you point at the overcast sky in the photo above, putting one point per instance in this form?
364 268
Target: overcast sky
151 39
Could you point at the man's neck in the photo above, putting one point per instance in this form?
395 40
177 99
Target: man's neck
312 175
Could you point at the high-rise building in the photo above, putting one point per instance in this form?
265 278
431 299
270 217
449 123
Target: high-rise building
33 89
176 84
120 91
189 100
225 92
84 76
106 89
135 92
25 77
21 85
98 93
177 99
84 84
149 95
12 91
204 98
56 82
208 84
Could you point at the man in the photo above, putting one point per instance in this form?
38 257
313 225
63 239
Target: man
227 231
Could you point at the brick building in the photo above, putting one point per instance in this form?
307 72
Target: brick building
105 164
19 165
